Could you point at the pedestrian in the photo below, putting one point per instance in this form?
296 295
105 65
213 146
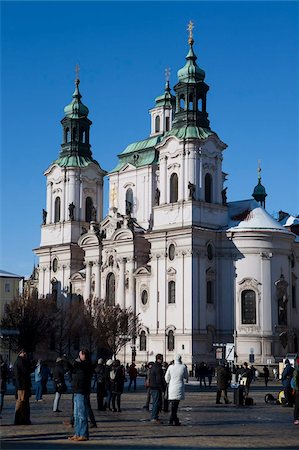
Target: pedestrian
59 383
46 374
202 373
210 373
174 377
38 381
266 375
223 379
22 371
275 373
108 393
296 389
147 386
286 377
117 377
133 376
100 383
3 381
157 385
244 377
164 406
81 378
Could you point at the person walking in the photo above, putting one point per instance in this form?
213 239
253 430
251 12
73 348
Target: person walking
38 381
147 386
174 377
223 380
133 376
3 381
244 376
296 389
157 385
100 383
108 393
81 378
117 377
22 371
286 377
59 383
266 375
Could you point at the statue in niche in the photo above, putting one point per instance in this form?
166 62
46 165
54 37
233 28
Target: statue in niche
191 188
128 208
224 196
93 214
71 211
44 216
282 300
157 197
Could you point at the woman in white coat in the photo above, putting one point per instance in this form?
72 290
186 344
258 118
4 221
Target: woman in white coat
174 377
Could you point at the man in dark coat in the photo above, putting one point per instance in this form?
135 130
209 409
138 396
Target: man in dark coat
157 385
22 371
3 381
223 380
100 378
286 377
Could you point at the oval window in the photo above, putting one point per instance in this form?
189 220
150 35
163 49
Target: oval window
144 297
210 252
55 265
171 252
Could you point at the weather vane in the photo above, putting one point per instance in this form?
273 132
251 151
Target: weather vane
167 74
190 29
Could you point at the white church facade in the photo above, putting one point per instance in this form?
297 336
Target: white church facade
197 269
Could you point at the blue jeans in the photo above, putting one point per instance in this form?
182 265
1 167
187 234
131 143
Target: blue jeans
156 403
80 415
39 390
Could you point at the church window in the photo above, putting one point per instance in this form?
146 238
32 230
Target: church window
208 188
129 201
171 252
55 265
167 123
67 135
157 124
170 341
110 289
199 104
210 292
83 135
191 102
248 306
210 251
7 287
57 209
182 101
88 209
171 291
142 344
74 134
173 188
144 297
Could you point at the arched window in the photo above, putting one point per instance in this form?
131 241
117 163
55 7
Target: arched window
191 102
57 210
182 101
208 188
173 188
248 305
171 252
83 135
210 252
167 124
142 344
157 124
88 209
210 291
170 341
171 291
55 265
129 202
74 134
66 135
110 289
199 104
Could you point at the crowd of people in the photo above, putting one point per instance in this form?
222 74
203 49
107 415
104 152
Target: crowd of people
165 386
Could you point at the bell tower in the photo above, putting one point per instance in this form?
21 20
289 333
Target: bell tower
74 199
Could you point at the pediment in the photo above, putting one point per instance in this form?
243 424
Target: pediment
142 271
78 276
122 235
127 168
171 271
88 239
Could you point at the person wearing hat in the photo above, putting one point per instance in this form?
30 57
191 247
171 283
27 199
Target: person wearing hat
22 371
100 379
108 392
175 377
59 383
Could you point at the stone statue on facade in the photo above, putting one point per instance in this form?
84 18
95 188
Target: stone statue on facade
224 196
157 197
44 216
191 188
93 214
282 300
71 211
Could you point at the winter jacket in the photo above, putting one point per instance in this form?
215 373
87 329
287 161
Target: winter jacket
22 370
156 377
58 377
38 373
223 377
81 376
287 375
174 377
117 383
3 376
100 373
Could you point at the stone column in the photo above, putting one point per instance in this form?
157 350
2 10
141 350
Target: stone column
97 292
49 202
266 308
121 285
182 178
187 175
202 296
130 300
163 180
71 198
87 281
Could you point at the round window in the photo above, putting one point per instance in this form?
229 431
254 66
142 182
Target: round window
210 251
171 252
55 265
144 297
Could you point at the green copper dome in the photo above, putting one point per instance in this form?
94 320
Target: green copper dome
259 190
191 73
76 109
167 99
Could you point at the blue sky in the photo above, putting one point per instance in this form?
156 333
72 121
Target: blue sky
249 51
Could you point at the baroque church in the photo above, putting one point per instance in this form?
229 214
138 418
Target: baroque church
198 270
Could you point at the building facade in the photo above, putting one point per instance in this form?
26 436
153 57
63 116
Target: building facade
197 269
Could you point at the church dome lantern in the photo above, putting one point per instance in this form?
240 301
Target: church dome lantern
259 192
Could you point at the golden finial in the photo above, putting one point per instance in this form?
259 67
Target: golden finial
167 74
190 29
259 169
77 69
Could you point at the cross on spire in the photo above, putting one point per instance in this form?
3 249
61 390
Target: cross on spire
77 70
190 29
167 74
259 169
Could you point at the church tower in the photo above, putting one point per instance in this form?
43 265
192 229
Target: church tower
74 199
